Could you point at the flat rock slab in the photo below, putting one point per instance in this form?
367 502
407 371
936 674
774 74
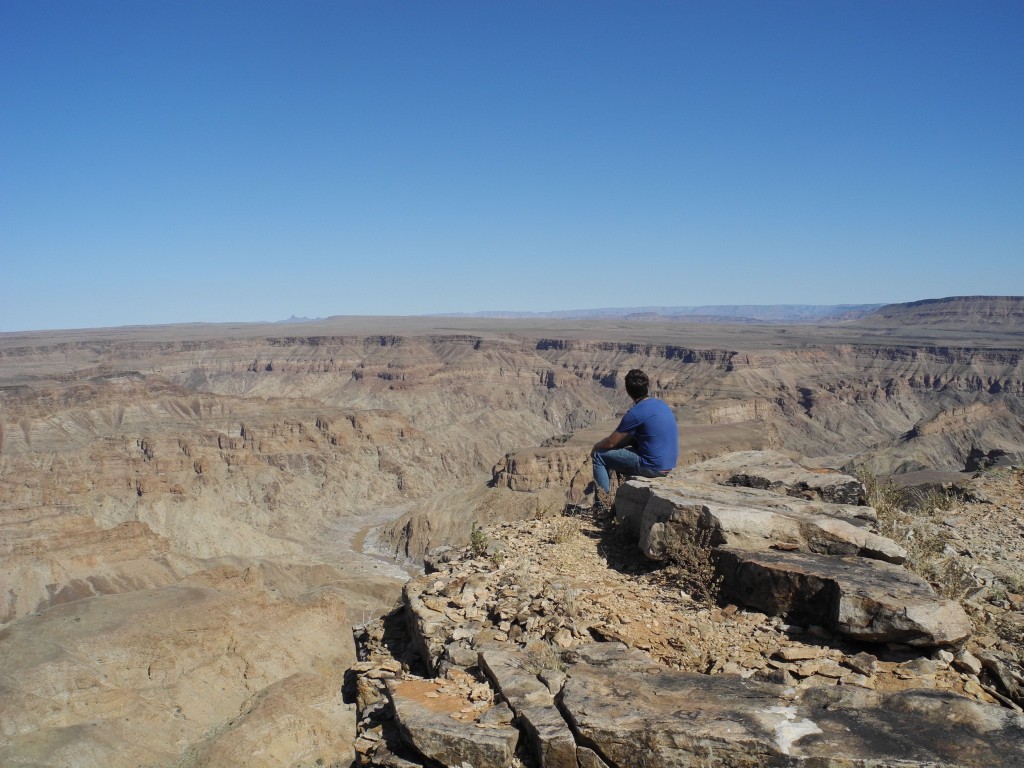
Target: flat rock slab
434 724
671 719
658 511
770 470
864 599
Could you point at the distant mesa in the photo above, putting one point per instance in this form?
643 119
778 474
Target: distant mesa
953 311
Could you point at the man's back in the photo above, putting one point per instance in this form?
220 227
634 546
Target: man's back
655 435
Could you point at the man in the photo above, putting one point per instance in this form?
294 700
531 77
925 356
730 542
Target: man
645 443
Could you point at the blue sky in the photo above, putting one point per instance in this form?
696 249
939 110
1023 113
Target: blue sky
234 161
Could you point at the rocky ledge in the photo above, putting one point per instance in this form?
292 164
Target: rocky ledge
717 621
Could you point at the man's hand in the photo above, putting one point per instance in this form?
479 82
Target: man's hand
614 440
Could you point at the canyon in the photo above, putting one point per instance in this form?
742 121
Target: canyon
193 518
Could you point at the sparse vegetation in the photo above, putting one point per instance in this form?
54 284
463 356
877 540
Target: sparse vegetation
693 562
568 602
539 656
905 516
565 529
478 541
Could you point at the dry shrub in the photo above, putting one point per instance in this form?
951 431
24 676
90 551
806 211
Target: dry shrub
904 515
565 529
539 655
692 557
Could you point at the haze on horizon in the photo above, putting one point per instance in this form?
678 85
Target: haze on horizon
239 162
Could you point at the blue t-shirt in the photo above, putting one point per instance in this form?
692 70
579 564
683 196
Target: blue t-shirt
655 434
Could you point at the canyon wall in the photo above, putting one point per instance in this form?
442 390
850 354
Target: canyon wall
181 518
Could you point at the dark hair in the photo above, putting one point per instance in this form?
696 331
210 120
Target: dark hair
637 384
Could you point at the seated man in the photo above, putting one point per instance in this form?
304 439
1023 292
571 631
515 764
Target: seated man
645 443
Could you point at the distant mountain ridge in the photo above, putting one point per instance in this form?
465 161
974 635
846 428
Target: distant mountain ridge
724 313
954 312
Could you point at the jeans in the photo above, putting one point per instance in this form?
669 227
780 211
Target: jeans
621 460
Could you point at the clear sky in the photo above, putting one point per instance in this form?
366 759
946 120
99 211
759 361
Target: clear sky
177 161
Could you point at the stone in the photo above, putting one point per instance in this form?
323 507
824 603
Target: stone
862 681
860 598
588 758
864 663
967 662
771 470
1009 674
675 719
427 725
662 514
799 652
551 740
435 559
499 714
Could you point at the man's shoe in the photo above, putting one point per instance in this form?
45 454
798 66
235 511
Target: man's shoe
602 509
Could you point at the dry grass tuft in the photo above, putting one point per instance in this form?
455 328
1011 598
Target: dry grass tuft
905 516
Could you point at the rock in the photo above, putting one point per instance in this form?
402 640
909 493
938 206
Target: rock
1009 674
663 511
429 626
588 758
499 714
534 469
801 680
799 652
863 599
864 663
669 719
425 718
551 740
862 681
435 559
967 662
768 470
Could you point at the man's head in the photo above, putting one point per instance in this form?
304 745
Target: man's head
637 384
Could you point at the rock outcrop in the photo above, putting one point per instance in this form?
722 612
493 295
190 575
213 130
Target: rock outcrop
670 719
805 560
600 661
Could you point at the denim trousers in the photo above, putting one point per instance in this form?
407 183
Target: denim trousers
621 460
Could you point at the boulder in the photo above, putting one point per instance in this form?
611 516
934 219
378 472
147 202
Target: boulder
427 626
671 719
437 726
745 518
861 598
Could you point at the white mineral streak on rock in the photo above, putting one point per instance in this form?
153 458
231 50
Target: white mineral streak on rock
789 730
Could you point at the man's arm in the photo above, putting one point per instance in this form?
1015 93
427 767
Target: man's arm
614 440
